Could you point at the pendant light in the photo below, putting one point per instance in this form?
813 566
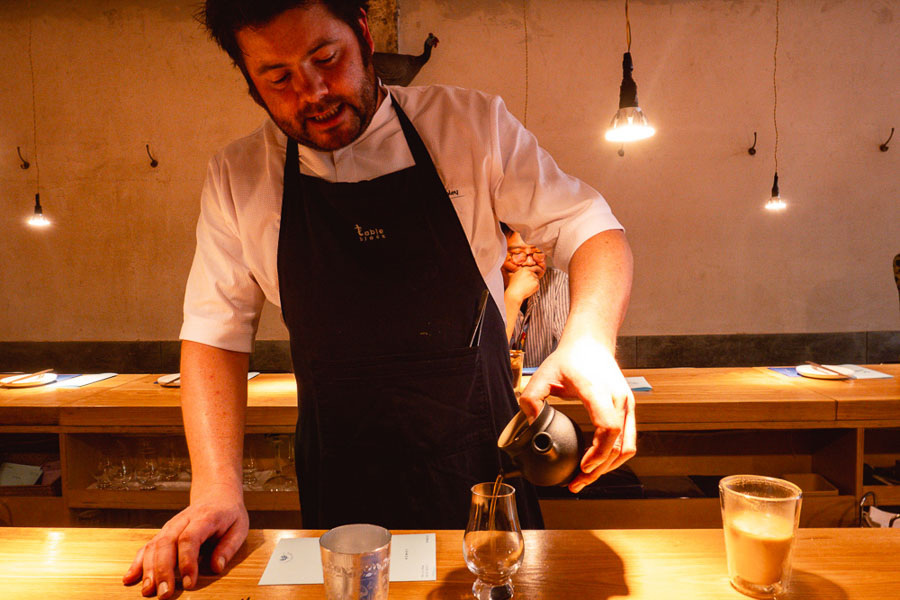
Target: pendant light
37 219
629 123
775 203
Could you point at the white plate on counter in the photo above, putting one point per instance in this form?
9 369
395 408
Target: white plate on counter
817 373
13 381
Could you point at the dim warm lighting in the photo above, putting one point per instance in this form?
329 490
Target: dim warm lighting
38 219
775 202
629 123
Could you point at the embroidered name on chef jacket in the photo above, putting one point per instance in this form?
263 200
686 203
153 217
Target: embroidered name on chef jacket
367 235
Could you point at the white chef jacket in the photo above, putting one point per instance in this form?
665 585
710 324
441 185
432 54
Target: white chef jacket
491 166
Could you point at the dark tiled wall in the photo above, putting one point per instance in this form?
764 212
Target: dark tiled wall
737 350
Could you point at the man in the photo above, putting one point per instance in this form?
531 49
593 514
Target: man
536 297
379 257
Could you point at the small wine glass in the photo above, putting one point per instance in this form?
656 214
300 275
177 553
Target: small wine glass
101 473
249 467
169 461
147 472
280 481
493 545
120 473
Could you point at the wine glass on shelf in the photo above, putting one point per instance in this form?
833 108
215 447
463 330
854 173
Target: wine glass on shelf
120 473
147 472
168 462
280 481
101 473
250 470
493 546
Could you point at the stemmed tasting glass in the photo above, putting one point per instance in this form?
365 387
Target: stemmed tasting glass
493 545
169 461
280 481
101 473
147 472
249 468
120 473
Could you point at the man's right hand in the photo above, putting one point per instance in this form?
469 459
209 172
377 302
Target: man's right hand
217 513
524 282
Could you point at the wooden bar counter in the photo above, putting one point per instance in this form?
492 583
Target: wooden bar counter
695 425
829 564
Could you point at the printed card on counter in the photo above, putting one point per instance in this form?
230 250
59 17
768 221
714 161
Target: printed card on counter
298 561
639 384
865 373
83 380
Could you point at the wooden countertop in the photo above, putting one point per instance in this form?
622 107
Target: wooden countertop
829 564
684 398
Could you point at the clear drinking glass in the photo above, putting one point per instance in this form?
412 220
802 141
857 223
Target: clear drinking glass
249 468
760 516
169 461
280 481
493 545
101 473
356 562
147 471
517 363
120 473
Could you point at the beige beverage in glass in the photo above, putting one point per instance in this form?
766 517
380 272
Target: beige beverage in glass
516 363
760 517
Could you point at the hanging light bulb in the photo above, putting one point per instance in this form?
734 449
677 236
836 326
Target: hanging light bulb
629 123
775 202
38 219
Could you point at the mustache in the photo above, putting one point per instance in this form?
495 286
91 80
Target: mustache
319 107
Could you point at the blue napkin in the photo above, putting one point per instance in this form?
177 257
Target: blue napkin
789 371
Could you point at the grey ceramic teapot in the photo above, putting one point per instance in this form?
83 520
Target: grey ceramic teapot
546 452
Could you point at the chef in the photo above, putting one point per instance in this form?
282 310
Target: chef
369 214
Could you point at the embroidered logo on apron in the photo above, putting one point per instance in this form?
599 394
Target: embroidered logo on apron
367 235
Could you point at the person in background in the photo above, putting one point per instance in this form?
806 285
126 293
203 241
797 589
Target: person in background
536 297
369 215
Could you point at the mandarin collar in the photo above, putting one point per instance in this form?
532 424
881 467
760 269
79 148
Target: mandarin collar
382 117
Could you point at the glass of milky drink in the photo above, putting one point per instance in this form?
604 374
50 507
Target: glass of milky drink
760 517
516 363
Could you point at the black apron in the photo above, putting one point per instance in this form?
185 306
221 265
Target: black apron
398 416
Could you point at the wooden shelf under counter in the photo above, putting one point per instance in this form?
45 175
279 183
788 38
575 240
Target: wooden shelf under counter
736 420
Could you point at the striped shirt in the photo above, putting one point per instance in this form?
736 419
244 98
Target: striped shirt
546 317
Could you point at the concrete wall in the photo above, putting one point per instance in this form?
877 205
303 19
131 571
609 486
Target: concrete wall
111 76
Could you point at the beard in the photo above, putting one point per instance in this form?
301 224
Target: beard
356 111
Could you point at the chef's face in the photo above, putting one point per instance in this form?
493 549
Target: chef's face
309 69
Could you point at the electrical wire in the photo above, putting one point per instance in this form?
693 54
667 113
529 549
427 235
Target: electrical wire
775 81
37 163
525 26
627 27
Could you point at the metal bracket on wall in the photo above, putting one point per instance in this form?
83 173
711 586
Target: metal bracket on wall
25 164
884 146
153 162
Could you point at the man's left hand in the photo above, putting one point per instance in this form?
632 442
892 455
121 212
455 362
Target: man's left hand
585 369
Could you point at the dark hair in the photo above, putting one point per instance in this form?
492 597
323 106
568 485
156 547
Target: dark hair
224 18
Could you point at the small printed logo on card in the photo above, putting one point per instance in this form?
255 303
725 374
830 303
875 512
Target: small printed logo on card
370 233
